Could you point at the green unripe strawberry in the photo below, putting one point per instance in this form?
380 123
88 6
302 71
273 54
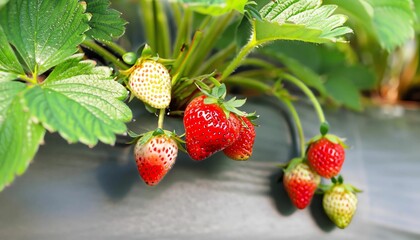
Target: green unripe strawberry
340 204
151 83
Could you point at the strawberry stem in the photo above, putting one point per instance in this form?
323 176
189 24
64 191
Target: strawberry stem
298 123
308 93
161 118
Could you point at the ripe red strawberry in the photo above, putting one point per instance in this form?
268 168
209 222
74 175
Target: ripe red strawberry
151 83
340 204
326 156
155 155
241 149
208 129
300 182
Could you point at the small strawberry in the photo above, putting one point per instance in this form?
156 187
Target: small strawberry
155 153
241 149
340 203
300 182
210 123
150 82
326 155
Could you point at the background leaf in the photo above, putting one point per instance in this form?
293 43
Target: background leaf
19 135
344 92
215 7
388 21
301 71
81 102
8 60
106 23
45 33
290 20
3 2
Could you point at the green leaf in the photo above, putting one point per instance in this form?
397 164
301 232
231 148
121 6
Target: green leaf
416 4
45 33
304 20
344 92
106 23
374 17
3 2
396 30
215 7
81 102
361 77
19 135
8 60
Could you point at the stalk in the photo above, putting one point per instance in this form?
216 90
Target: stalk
161 118
308 93
105 54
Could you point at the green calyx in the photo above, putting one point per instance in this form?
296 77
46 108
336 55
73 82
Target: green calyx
145 137
337 182
217 95
292 164
330 137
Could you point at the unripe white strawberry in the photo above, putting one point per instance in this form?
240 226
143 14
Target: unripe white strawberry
340 204
151 83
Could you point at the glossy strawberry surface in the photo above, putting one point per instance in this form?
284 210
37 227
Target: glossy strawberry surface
155 158
207 129
326 157
241 149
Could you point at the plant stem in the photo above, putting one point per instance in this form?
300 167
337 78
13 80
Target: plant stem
105 54
196 40
25 78
148 22
308 93
257 62
183 32
162 35
176 12
249 83
115 47
161 118
238 59
298 123
215 60
209 40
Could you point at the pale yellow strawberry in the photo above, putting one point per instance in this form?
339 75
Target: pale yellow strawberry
340 204
151 83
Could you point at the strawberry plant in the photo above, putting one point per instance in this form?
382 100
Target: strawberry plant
73 67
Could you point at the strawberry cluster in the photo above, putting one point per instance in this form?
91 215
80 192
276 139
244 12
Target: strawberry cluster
211 123
324 157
